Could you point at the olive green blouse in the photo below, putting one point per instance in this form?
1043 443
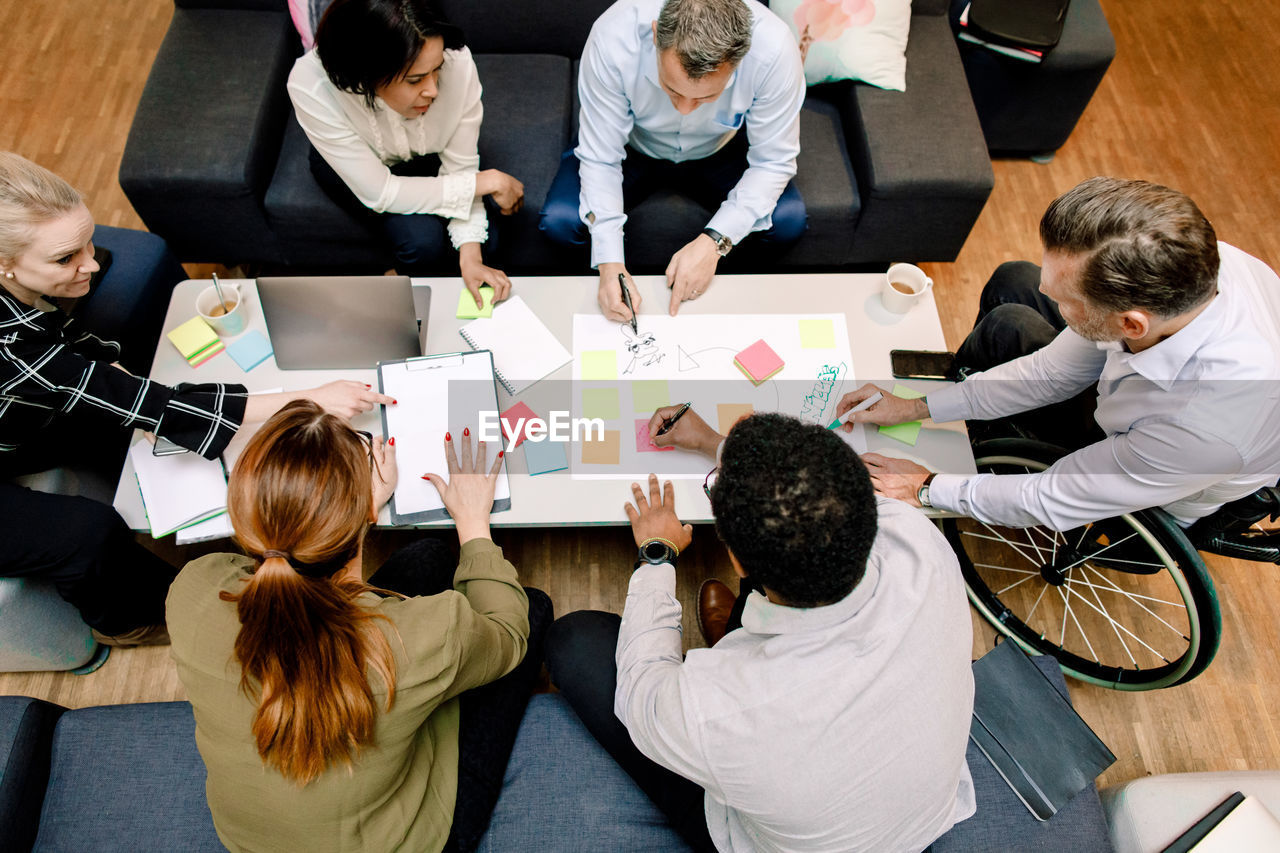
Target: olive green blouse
400 792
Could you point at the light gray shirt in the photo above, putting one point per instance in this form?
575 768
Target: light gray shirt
1191 423
838 728
623 103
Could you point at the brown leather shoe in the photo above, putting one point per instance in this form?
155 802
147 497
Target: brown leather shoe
715 603
147 635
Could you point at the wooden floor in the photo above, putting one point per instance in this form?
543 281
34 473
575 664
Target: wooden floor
1190 102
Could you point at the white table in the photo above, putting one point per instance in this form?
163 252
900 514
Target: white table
556 499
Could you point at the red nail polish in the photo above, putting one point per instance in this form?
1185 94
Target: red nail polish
426 477
500 452
394 401
466 432
367 385
391 441
448 437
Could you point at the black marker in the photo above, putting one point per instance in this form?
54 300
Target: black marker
668 423
626 297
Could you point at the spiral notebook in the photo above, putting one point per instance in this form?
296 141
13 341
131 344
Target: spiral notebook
524 350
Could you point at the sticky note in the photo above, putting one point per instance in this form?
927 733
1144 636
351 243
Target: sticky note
643 443
511 417
817 334
467 309
602 452
649 395
205 354
250 351
728 414
601 403
908 433
544 456
600 364
758 362
193 337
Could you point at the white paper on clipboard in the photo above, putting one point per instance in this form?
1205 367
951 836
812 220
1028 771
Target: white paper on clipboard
434 395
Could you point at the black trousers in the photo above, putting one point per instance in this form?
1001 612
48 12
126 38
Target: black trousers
491 714
1016 319
580 655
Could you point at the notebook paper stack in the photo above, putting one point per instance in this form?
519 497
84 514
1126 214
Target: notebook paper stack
178 491
524 349
758 362
196 340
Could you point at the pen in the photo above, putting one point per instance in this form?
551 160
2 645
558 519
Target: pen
668 423
861 407
626 297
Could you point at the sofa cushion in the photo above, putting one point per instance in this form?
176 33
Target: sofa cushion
529 26
127 778
208 127
528 99
26 734
563 792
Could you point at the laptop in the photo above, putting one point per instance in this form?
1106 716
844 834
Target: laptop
339 322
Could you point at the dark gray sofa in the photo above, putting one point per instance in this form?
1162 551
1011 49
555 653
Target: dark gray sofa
216 163
128 778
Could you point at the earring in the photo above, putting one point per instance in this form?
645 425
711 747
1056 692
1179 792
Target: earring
8 275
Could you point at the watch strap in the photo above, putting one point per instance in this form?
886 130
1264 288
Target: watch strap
723 243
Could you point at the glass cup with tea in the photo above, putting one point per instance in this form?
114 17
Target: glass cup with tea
903 286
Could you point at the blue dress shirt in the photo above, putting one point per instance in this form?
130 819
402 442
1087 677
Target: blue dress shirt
623 103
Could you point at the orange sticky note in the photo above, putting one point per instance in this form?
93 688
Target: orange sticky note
605 452
729 414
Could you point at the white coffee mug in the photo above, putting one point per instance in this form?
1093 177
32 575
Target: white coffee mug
903 286
233 321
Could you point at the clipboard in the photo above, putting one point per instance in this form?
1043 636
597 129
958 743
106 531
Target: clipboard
436 394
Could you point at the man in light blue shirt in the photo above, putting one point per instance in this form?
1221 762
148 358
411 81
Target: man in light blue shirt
666 88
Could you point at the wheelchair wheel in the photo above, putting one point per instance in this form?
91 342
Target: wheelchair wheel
1124 603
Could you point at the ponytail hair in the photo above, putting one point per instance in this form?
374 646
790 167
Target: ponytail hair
300 502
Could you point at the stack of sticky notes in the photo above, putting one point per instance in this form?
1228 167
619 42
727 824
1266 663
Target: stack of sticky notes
758 361
467 309
196 340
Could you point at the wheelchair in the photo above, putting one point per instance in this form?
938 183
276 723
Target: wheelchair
1125 603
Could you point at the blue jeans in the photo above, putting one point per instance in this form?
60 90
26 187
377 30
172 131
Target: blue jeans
707 181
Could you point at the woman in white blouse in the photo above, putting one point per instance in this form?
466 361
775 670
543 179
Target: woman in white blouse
390 99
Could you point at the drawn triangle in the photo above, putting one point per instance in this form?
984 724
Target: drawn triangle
684 361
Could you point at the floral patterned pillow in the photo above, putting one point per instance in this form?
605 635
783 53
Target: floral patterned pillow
851 39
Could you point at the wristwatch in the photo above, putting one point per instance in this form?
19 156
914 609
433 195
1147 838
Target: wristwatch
723 243
922 494
655 552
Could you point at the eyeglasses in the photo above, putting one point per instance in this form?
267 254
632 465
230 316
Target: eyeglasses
710 482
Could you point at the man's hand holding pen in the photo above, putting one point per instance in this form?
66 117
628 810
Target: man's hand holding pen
680 426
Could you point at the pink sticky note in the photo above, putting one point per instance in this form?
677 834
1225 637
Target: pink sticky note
643 443
758 362
511 417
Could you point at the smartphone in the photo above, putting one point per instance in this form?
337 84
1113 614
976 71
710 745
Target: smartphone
921 364
165 447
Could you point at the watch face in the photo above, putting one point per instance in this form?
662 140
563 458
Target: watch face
656 552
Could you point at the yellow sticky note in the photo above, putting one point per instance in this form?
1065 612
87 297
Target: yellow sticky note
817 334
649 395
599 364
908 433
605 452
601 403
467 309
193 336
728 414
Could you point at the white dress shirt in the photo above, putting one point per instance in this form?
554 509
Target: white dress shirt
1191 423
838 728
360 144
623 103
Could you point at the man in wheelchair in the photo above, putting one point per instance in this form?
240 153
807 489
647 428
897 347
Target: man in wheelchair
1141 344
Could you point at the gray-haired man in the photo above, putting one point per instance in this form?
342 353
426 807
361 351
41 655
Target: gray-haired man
665 89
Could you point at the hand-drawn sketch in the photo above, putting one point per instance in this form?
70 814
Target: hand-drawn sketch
643 348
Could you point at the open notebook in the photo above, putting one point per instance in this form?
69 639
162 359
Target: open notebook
178 491
524 350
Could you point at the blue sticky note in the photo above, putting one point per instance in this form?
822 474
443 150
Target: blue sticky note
545 456
250 351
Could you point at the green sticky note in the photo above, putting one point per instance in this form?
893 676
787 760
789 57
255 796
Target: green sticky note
601 403
467 309
908 433
649 395
599 364
817 334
